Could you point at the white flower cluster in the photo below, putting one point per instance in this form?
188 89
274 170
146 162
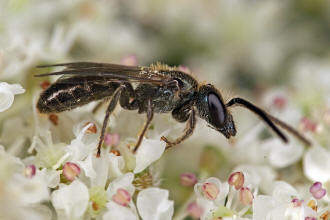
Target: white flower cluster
78 185
48 166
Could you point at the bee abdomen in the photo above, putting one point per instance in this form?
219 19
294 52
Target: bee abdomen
63 97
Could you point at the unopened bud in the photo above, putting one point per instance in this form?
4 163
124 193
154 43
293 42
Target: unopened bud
297 202
129 60
71 170
195 210
122 197
236 179
279 102
30 171
210 190
188 179
245 196
317 191
111 139
310 218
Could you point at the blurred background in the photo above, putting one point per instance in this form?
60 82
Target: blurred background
253 49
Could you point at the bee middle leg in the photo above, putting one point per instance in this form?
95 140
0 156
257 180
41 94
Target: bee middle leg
150 115
185 113
113 102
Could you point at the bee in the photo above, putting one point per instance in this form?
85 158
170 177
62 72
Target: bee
159 89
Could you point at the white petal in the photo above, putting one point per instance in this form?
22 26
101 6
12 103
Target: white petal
257 176
101 168
51 177
266 207
149 151
15 88
30 190
116 211
7 93
207 206
282 155
87 166
70 201
124 182
284 192
6 99
116 165
317 164
153 204
223 189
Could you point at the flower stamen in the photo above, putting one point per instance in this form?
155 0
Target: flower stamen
236 179
122 197
210 191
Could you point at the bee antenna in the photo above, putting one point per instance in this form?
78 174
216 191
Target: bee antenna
270 120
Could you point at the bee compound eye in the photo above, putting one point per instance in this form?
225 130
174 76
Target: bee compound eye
216 109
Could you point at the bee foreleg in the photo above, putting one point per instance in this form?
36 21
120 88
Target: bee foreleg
113 102
190 126
150 115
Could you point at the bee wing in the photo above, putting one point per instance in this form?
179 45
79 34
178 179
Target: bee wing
105 72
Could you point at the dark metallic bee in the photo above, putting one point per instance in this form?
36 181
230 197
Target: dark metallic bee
160 89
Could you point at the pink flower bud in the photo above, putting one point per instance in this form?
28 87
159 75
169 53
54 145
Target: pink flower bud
310 218
122 197
30 171
245 196
236 179
71 170
195 210
188 179
279 102
111 139
317 191
307 124
129 60
184 68
297 202
210 190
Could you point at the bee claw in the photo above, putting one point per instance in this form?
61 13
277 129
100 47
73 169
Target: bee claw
168 143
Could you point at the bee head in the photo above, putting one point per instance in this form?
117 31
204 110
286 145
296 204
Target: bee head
212 109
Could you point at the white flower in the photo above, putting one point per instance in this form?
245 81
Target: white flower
149 151
123 182
70 201
7 92
281 154
116 211
153 204
317 164
257 176
49 155
20 195
124 209
210 199
280 205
